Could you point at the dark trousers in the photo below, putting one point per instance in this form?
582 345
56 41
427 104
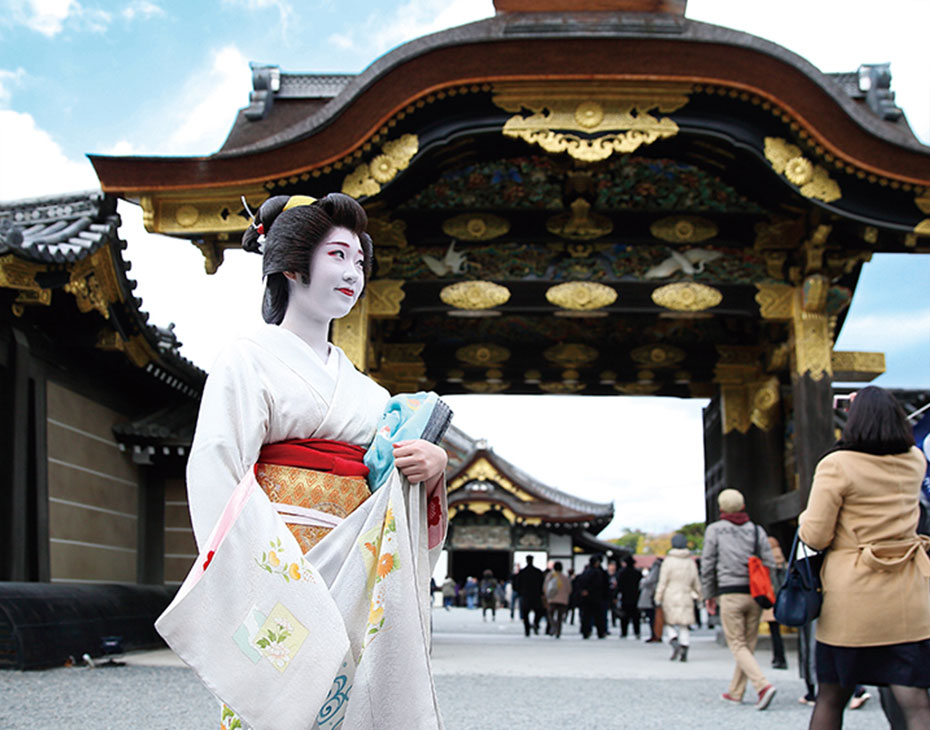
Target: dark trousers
593 614
778 644
525 608
556 616
629 614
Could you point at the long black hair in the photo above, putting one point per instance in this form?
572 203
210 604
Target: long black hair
286 240
876 424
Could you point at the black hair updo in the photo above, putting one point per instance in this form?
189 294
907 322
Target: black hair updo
291 236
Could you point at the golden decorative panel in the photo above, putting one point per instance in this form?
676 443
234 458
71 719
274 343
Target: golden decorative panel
812 344
858 367
483 354
351 334
562 388
580 224
200 212
368 177
776 301
683 229
474 295
812 180
387 233
581 295
401 367
384 297
687 296
135 348
571 355
658 355
94 283
636 388
590 120
18 274
750 404
923 228
483 470
482 386
476 226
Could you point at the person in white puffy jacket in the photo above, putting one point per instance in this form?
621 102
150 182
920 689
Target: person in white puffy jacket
679 587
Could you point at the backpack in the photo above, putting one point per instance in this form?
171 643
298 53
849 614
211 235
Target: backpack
760 582
553 585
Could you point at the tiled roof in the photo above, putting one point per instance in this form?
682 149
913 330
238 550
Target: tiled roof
312 86
460 442
64 229
60 229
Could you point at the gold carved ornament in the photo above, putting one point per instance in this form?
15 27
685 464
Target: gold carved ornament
687 296
401 367
368 177
590 121
923 203
776 301
658 355
754 403
636 388
562 388
812 343
571 354
812 180
483 471
860 367
581 296
580 224
18 274
476 226
136 348
474 295
94 283
199 212
683 229
483 354
351 333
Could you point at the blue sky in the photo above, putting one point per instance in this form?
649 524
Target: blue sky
159 77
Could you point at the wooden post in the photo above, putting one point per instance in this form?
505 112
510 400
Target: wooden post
811 380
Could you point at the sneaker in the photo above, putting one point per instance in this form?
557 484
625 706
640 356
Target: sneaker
780 664
856 702
765 697
729 698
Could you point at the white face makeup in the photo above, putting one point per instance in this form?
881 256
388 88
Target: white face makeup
337 276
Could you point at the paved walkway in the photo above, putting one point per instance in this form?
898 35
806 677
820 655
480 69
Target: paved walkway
488 675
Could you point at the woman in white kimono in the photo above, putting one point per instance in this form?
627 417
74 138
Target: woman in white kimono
289 404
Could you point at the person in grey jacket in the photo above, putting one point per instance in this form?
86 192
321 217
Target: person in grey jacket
728 544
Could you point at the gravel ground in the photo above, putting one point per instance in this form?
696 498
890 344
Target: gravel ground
488 676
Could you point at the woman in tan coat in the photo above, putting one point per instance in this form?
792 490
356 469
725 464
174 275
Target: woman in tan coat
679 587
874 627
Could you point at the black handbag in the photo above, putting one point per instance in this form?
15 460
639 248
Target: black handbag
799 598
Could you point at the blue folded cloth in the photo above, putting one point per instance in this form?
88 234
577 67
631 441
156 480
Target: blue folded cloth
420 415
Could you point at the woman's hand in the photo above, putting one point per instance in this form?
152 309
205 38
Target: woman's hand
420 461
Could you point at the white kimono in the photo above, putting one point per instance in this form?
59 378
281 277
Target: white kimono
375 566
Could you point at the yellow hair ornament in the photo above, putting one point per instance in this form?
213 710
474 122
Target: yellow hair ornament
296 201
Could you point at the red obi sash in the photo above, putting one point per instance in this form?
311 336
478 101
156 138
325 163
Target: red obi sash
337 457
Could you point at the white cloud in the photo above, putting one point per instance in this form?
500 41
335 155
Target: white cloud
644 454
33 164
206 105
209 310
342 41
411 20
142 9
285 11
886 331
8 79
49 17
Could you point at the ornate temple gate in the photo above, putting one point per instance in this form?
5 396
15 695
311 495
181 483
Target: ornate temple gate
600 199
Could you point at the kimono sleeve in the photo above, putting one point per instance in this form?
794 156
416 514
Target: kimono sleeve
818 521
234 418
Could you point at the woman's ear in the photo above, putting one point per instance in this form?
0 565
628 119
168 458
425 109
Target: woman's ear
295 277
